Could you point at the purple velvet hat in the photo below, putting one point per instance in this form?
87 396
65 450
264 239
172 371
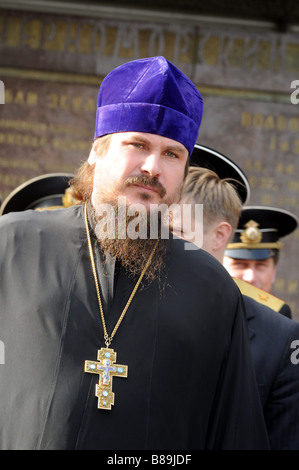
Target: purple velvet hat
149 95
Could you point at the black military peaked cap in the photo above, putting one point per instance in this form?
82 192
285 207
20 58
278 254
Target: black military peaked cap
45 191
259 231
206 157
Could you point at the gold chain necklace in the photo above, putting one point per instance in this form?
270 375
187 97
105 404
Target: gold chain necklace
106 367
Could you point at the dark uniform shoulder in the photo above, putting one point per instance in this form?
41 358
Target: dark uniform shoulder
260 295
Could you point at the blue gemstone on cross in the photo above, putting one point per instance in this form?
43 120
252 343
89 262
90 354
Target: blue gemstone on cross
106 370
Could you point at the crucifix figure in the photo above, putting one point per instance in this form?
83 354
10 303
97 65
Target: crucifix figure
107 369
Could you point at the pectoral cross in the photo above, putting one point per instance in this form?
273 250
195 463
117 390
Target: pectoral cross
106 370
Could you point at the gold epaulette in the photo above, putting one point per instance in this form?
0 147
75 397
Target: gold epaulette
259 295
48 208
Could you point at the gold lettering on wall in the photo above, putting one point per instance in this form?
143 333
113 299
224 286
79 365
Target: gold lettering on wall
20 97
22 140
269 122
43 129
119 40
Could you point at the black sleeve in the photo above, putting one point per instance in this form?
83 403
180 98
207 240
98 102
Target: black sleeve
286 311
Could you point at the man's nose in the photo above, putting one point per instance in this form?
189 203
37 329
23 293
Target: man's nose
151 165
248 275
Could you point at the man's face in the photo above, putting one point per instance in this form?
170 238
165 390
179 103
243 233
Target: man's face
259 273
145 168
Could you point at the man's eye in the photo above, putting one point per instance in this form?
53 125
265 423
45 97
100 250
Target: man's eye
171 155
137 145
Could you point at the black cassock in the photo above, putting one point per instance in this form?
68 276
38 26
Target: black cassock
190 381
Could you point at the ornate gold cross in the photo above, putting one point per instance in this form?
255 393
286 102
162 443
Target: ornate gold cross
106 370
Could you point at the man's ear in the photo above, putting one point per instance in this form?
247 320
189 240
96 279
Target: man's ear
93 155
222 233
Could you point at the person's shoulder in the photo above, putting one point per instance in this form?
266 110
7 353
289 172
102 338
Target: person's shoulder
268 319
16 221
286 310
27 221
196 260
189 252
259 295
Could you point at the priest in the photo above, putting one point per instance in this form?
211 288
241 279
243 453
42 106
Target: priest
117 341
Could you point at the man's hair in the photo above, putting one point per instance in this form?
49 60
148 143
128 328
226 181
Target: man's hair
81 185
219 197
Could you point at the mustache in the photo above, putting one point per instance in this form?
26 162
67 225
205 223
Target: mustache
146 180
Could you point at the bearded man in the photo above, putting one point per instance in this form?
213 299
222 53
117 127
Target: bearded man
117 342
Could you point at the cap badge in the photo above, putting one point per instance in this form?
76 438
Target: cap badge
251 234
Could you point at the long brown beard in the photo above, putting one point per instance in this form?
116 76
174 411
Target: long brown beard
132 253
